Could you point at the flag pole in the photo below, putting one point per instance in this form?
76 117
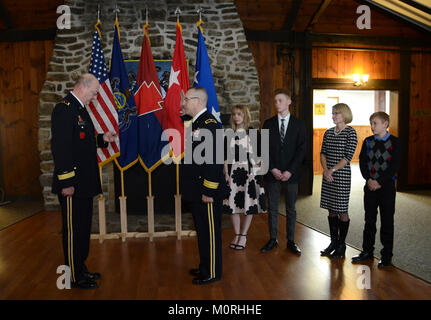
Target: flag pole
178 12
200 21
102 210
101 200
178 223
122 198
150 197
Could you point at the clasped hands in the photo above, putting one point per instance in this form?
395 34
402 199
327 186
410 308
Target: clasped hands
327 175
373 185
282 176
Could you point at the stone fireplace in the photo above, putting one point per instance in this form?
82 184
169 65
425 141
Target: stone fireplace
234 71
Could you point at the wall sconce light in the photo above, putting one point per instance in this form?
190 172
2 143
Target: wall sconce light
360 79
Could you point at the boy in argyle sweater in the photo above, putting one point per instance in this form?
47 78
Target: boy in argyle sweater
379 161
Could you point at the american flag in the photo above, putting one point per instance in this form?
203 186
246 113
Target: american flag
103 114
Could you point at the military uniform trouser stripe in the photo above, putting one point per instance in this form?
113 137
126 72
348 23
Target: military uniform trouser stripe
212 239
70 237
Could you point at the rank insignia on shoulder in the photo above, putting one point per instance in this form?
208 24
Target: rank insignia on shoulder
210 121
67 103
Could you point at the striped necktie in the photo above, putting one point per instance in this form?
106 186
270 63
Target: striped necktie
282 131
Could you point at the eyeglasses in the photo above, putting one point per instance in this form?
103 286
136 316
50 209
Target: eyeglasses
187 98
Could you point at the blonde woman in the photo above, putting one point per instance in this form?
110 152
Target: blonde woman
338 146
247 195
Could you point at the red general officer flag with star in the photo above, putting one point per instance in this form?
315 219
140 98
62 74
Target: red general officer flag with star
178 83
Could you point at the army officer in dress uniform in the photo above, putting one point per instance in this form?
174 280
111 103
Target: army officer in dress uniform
76 177
204 187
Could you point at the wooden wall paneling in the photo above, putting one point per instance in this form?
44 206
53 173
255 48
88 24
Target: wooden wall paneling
272 75
339 63
414 135
404 113
426 89
369 63
393 113
5 63
332 63
341 71
420 125
379 65
393 64
23 67
321 63
357 62
314 55
361 131
306 113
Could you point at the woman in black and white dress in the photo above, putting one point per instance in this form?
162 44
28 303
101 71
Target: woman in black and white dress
247 195
338 146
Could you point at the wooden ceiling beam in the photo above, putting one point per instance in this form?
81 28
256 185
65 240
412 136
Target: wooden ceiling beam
14 35
315 18
297 38
397 16
5 17
417 5
292 15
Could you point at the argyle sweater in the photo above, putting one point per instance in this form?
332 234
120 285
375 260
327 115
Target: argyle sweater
380 158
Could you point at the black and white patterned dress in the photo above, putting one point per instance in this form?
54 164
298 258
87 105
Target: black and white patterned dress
336 146
247 194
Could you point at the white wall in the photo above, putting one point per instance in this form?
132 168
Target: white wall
361 102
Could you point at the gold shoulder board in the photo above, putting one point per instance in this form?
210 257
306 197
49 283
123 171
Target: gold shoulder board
67 103
209 121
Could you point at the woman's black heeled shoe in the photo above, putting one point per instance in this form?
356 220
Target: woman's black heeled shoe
233 245
239 246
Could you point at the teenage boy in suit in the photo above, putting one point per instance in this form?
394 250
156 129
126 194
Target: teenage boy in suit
287 147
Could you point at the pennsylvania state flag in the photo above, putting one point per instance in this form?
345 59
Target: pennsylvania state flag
126 108
203 75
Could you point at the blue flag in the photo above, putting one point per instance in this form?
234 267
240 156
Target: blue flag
204 77
126 108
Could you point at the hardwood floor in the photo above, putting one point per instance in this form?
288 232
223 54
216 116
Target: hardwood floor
30 252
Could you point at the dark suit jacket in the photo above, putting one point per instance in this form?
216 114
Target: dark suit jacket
74 149
291 154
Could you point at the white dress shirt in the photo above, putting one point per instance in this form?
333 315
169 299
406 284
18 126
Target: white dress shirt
286 123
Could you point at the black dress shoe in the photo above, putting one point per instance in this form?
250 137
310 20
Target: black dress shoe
92 275
195 272
362 257
383 263
85 284
270 245
201 281
293 247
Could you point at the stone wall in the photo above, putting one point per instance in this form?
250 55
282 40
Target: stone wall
234 72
